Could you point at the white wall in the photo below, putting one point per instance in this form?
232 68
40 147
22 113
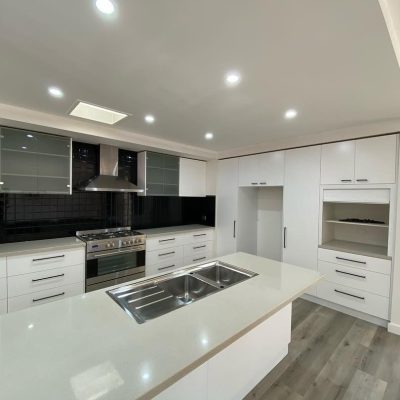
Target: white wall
269 222
211 177
391 12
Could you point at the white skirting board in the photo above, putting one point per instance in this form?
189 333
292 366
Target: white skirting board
346 310
394 328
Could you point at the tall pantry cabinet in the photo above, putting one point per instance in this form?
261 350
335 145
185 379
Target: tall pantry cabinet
227 205
301 207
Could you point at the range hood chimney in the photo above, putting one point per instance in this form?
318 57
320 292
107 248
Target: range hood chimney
108 180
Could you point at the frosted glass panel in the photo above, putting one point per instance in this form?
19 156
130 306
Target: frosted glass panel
34 162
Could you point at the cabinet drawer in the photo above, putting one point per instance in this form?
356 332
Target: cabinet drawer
3 307
44 296
354 260
195 249
162 242
200 236
18 265
353 298
3 288
356 278
197 259
38 281
171 254
164 267
3 267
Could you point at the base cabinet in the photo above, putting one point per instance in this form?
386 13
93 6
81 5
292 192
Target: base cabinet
258 352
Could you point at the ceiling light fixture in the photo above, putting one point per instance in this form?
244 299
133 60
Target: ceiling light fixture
105 6
97 113
23 147
290 114
29 136
233 78
55 92
209 135
149 119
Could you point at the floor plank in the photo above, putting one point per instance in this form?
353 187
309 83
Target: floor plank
333 356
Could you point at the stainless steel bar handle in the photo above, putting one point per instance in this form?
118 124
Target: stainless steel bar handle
348 259
47 258
198 259
118 252
200 234
49 297
351 295
169 266
199 247
254 183
362 180
284 237
345 180
48 277
348 273
166 240
263 183
166 254
234 229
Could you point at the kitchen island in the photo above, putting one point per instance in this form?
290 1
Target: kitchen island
87 347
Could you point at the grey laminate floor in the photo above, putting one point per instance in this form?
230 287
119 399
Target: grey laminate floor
334 356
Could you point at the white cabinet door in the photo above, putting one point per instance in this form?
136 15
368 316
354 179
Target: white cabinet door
192 178
301 206
249 172
227 198
376 160
271 168
337 163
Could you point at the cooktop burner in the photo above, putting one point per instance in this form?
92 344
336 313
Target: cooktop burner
89 236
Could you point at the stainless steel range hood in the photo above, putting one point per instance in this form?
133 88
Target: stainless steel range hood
108 180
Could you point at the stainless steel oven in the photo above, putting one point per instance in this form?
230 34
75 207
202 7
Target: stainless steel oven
113 256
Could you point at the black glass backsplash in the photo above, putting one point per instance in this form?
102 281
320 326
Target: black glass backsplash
34 216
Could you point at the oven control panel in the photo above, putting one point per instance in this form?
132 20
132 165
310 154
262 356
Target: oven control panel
117 243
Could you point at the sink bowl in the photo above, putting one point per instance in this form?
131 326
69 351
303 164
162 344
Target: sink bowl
222 274
187 288
160 295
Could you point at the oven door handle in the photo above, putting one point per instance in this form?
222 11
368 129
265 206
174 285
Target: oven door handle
118 252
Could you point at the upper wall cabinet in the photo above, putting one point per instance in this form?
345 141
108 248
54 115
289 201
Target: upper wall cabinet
364 161
34 162
158 174
166 175
192 178
262 169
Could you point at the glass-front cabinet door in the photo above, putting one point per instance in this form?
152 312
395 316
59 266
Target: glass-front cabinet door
32 162
162 174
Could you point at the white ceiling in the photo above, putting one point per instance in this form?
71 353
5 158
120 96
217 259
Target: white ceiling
330 59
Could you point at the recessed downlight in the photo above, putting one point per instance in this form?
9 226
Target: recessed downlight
29 135
233 78
291 113
105 6
150 119
209 135
23 147
55 92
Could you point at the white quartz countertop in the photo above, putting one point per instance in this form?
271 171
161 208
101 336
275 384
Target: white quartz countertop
20 248
86 347
172 230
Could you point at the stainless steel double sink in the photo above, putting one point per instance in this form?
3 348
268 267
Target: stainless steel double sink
160 295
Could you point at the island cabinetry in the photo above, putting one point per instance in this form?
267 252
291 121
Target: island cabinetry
258 356
3 285
165 253
42 277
